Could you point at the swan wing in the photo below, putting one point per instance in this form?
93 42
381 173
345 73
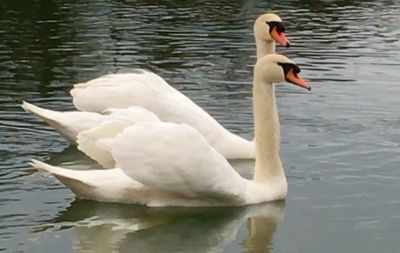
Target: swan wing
176 158
142 88
94 142
149 91
134 114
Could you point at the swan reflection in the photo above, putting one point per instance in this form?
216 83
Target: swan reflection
99 227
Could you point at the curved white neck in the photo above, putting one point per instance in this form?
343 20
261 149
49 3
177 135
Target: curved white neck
264 47
267 134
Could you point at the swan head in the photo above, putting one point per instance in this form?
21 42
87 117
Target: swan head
276 68
269 27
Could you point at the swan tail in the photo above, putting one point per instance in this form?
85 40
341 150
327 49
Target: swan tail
100 185
74 180
61 173
68 124
44 166
52 118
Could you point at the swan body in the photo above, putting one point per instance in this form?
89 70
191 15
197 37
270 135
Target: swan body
171 164
167 179
149 91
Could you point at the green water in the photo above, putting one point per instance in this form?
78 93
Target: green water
340 143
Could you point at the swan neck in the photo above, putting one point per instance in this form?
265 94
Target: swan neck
264 47
267 134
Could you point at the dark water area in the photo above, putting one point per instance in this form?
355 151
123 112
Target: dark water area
340 143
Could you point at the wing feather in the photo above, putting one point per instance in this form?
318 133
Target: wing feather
151 92
176 158
120 90
91 142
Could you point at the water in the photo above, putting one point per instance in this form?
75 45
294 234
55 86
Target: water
340 143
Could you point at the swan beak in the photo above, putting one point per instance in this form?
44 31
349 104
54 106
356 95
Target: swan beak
280 37
291 77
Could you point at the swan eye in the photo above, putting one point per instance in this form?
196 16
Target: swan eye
277 25
288 66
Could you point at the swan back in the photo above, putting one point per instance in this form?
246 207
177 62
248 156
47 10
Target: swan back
100 94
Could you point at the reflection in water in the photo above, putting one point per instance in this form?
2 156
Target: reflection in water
72 158
345 133
99 227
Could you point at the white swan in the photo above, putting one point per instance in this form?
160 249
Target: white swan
169 164
148 90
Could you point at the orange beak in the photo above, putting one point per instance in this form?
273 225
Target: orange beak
297 80
280 37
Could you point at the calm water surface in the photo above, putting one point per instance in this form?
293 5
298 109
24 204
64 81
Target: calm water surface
340 143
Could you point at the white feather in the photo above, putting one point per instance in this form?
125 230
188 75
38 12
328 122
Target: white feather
148 90
101 185
177 158
92 141
68 124
96 141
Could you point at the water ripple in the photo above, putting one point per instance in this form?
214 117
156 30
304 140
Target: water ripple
340 143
